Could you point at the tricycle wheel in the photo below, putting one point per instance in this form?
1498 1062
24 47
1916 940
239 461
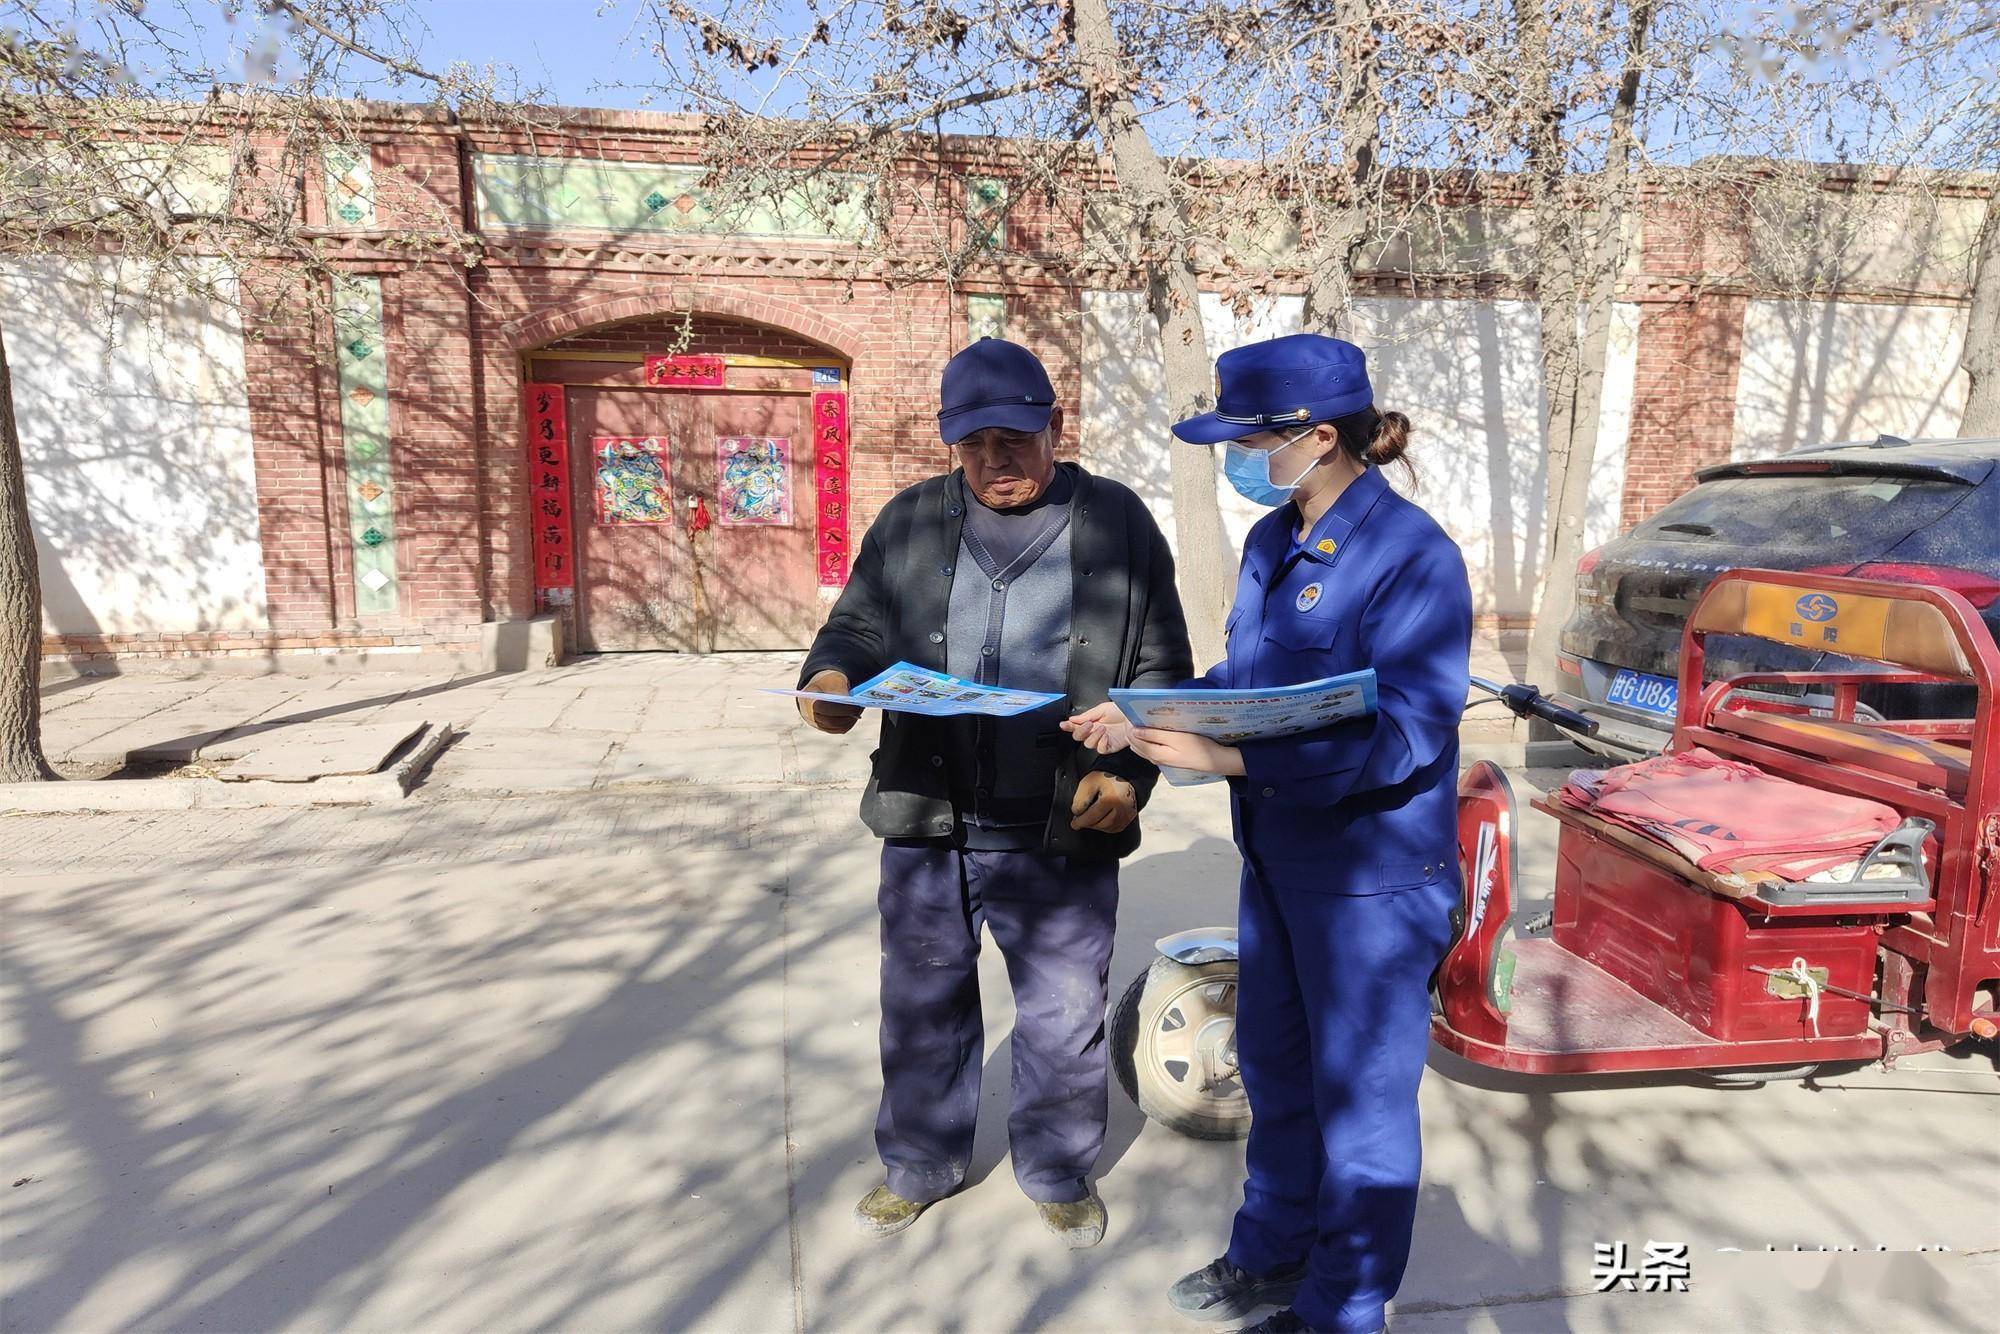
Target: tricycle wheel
1757 1076
1173 1043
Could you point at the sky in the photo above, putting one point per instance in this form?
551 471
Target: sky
595 53
580 50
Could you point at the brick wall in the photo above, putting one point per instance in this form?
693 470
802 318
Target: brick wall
458 338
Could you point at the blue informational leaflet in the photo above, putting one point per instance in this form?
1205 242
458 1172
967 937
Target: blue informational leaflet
1230 716
906 688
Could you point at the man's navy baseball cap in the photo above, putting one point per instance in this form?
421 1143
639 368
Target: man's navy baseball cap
1282 383
993 383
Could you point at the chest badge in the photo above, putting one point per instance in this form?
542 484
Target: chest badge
1308 597
1326 546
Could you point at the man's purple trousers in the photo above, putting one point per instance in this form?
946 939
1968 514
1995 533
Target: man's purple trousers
1053 919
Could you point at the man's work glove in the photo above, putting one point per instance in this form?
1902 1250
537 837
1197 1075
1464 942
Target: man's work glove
1104 802
825 714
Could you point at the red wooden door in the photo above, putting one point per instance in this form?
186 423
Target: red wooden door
653 585
754 582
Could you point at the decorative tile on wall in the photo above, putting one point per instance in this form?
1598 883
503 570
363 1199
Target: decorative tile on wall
986 211
364 440
985 316
350 185
526 193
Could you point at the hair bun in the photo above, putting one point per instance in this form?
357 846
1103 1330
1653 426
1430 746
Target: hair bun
1390 438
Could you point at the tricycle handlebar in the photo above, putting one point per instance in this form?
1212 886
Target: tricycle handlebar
1525 700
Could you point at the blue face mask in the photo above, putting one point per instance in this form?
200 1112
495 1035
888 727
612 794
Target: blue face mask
1249 471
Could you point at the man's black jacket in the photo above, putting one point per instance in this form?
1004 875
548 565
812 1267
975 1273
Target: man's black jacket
1126 630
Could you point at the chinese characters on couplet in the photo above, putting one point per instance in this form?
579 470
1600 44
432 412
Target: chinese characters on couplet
829 440
548 471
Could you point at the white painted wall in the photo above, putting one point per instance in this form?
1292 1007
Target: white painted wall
135 430
1466 374
1815 371
1614 426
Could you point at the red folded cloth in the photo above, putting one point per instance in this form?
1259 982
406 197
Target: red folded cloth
1729 817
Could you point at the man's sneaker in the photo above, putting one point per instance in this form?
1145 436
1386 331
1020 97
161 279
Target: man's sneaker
1080 1223
1286 1321
1222 1291
883 1212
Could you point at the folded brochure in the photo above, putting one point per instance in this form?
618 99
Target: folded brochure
906 688
1230 716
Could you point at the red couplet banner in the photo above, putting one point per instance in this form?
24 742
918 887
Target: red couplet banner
831 500
548 491
685 372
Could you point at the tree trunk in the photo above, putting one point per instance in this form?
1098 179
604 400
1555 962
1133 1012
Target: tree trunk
21 757
1981 357
1206 564
1575 313
1338 237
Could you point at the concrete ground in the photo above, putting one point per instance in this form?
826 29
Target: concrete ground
592 724
566 1040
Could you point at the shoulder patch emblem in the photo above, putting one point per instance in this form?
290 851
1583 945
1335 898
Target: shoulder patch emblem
1308 597
1326 546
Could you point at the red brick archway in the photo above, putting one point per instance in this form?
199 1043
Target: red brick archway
736 303
639 584
872 338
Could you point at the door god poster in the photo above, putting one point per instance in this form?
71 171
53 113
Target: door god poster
632 484
753 480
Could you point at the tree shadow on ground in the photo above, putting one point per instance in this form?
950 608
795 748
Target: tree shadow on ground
493 1078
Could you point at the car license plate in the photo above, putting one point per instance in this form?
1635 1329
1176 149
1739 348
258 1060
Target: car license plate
1637 690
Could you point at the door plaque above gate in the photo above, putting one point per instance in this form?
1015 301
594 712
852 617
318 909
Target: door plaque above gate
685 372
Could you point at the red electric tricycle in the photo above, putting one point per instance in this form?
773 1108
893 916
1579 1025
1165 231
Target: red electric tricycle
1648 962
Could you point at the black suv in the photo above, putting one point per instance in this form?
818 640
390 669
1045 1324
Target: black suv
1925 511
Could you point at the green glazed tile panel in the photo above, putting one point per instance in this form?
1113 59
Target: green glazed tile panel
350 185
588 194
986 211
364 438
985 316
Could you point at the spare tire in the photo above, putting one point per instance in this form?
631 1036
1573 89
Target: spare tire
1173 1043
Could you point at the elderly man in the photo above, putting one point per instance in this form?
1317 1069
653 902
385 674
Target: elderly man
1019 571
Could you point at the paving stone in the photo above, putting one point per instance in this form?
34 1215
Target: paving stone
532 745
719 755
529 709
814 757
609 708
166 738
753 708
117 699
315 750
516 777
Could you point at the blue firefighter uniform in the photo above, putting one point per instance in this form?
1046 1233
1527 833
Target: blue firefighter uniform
1350 875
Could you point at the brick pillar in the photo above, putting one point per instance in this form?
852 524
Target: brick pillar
1683 397
436 447
1690 351
292 401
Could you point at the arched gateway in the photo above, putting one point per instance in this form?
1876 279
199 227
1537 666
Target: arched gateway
693 510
